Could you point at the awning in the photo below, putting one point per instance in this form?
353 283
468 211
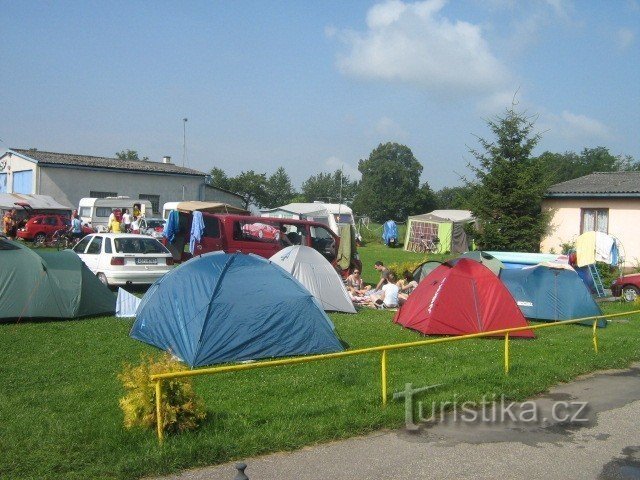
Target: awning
209 207
37 202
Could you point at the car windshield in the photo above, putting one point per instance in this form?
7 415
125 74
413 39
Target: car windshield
139 245
154 222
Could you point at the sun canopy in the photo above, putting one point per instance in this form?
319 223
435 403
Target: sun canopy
551 293
461 298
317 275
220 307
209 207
48 285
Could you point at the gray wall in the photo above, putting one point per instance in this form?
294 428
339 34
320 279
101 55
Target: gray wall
69 185
212 194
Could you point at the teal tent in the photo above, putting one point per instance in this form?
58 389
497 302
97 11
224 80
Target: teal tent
48 285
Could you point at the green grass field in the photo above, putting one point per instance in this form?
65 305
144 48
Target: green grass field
60 417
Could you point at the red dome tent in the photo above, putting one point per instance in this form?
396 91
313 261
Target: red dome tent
461 297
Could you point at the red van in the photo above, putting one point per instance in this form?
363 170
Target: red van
263 236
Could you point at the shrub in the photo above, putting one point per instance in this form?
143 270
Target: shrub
398 269
181 409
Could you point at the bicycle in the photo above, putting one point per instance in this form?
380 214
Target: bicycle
429 245
60 239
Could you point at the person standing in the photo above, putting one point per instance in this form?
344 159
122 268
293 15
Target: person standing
126 221
76 228
10 223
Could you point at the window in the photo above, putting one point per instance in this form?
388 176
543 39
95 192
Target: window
323 242
594 219
103 211
139 245
107 245
95 247
256 232
23 182
80 247
295 233
85 211
94 194
211 226
154 199
3 183
52 221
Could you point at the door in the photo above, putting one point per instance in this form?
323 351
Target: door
324 242
259 236
211 237
93 253
50 225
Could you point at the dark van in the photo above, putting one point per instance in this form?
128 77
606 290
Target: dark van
262 236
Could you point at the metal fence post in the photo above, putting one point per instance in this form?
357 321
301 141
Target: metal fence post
241 475
506 353
384 376
159 410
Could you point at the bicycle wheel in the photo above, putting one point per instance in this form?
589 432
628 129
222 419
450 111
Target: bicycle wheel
418 247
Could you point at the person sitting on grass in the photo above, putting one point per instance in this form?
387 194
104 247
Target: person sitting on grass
388 296
384 274
354 282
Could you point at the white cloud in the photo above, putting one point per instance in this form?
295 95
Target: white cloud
414 43
625 37
389 129
334 163
574 127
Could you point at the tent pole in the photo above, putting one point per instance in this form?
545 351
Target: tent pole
506 353
595 335
384 376
159 410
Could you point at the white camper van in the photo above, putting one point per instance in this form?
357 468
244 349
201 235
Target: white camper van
333 215
96 211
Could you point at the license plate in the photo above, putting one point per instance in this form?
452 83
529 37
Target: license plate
146 261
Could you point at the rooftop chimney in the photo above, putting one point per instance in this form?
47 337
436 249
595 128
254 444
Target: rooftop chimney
166 159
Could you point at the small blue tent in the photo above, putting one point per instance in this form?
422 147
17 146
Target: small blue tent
219 308
550 293
390 233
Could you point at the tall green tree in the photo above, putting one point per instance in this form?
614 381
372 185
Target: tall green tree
219 179
570 165
510 184
390 185
279 189
454 198
251 186
326 187
130 155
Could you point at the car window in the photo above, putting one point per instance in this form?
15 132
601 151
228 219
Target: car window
295 233
107 245
323 242
256 231
211 227
80 247
140 245
95 247
51 221
66 221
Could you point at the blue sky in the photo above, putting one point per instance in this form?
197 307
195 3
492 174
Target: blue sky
313 86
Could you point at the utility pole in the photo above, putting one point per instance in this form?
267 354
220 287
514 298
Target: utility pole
184 141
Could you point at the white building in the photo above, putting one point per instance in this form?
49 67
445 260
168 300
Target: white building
69 177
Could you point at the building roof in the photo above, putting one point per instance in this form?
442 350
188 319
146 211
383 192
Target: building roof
599 184
70 159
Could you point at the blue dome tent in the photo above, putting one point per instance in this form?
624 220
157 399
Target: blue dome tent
222 307
551 293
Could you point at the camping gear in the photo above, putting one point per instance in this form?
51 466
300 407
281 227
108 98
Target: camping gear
488 260
317 275
221 307
126 304
390 233
48 285
425 269
460 298
550 293
347 250
445 225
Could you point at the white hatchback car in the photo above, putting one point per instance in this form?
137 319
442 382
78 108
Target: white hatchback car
124 259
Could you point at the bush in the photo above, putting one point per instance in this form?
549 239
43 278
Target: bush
398 269
182 410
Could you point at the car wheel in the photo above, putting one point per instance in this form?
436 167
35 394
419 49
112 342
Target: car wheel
630 293
103 278
39 239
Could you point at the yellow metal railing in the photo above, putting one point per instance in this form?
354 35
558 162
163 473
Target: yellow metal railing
159 377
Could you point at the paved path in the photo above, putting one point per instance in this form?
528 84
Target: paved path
605 446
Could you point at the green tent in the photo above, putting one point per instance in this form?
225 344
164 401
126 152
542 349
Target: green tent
446 225
489 261
48 285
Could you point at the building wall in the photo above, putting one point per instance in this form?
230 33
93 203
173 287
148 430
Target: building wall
17 164
624 223
212 194
69 185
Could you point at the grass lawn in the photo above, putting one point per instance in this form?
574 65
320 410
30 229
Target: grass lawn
60 417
